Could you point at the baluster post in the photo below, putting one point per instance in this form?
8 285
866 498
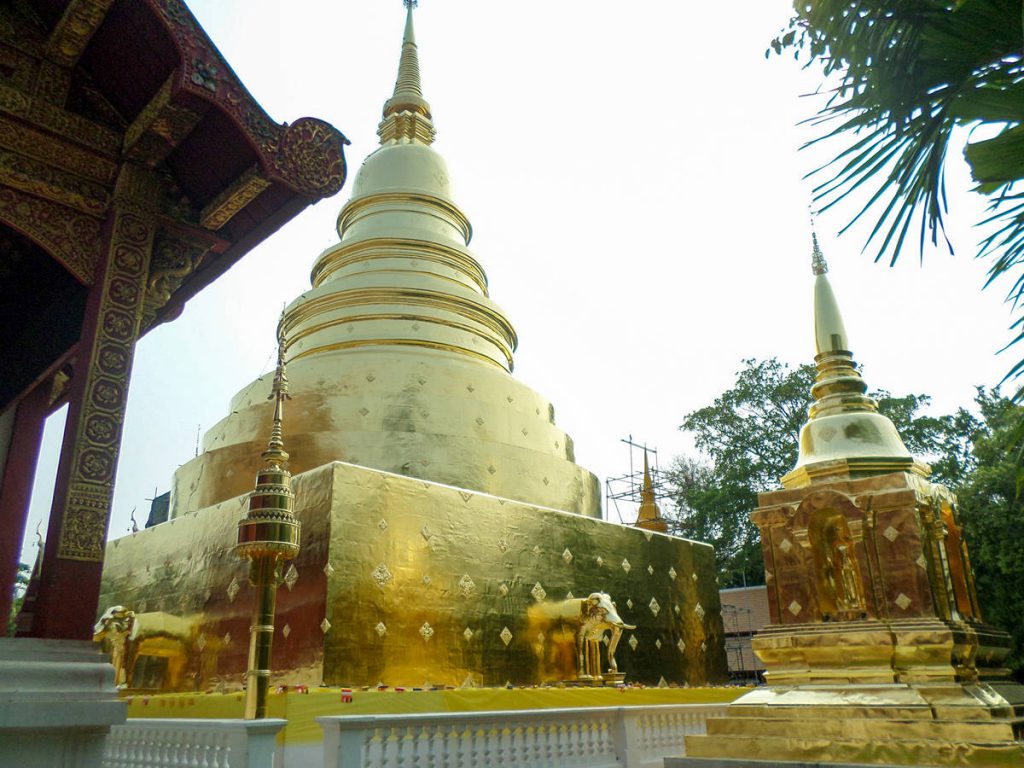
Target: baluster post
626 736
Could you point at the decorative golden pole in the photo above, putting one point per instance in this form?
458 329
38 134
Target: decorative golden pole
267 537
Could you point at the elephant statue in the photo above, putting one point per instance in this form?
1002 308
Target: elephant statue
584 621
150 650
113 629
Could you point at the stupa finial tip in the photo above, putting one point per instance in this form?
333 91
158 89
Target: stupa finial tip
818 264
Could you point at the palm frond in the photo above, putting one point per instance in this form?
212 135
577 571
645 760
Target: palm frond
908 73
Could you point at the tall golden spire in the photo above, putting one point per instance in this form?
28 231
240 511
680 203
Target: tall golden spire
407 114
649 516
268 536
844 434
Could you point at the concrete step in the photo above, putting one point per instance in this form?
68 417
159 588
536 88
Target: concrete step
826 712
809 747
989 731
732 762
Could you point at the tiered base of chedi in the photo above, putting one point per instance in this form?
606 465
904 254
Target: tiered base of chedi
448 536
413 583
877 652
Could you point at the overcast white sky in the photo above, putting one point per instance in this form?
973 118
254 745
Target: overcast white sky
633 180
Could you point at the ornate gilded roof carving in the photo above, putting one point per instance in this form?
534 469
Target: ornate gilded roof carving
74 117
72 238
308 155
58 167
80 21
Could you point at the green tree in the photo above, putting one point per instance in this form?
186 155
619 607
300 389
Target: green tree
943 442
20 585
750 437
709 506
992 513
901 76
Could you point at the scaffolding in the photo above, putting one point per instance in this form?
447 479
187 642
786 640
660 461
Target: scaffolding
626 488
739 633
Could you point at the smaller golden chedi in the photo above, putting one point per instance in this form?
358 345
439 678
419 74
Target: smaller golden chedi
649 515
877 652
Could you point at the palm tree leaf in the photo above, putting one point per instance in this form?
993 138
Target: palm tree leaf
909 72
999 159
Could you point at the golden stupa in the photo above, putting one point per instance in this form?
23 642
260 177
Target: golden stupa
445 524
398 358
876 652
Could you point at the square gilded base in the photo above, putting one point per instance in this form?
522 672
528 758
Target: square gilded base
405 582
915 650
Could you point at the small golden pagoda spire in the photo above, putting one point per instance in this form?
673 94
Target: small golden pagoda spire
845 433
267 536
275 455
407 114
649 516
818 264
839 387
829 331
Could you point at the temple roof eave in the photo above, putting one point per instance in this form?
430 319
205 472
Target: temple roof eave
183 109
101 86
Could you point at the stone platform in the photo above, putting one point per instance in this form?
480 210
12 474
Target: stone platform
57 703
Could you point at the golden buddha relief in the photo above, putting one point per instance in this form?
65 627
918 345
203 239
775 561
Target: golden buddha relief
838 577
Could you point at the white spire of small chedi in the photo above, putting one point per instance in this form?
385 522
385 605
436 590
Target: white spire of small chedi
844 435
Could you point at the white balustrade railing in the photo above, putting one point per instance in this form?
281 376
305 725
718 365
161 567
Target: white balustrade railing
181 743
597 737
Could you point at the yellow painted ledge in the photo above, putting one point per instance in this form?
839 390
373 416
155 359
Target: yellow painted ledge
300 710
